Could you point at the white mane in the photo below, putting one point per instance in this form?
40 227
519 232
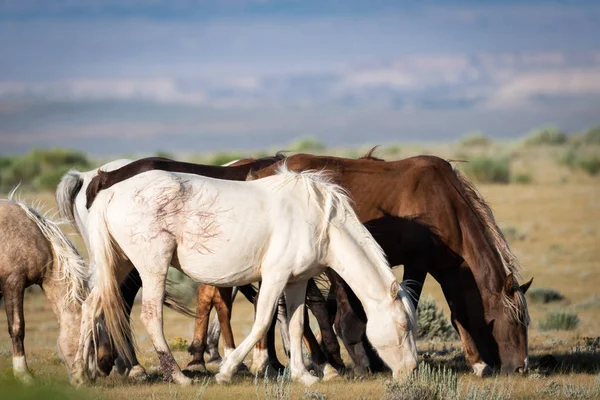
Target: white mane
71 266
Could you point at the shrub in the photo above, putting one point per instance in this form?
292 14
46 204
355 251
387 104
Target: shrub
432 324
546 135
523 179
313 395
40 169
178 344
477 139
559 320
574 159
544 295
488 170
429 383
307 143
277 389
592 135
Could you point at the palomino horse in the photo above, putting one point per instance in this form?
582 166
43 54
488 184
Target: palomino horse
35 251
282 230
429 218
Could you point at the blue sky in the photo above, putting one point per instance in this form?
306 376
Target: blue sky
132 76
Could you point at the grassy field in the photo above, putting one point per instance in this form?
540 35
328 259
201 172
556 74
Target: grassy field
553 225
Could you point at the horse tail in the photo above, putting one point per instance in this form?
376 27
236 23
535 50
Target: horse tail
67 190
108 300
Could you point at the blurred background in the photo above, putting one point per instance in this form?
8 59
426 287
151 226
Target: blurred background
510 87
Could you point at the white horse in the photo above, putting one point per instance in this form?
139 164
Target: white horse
280 230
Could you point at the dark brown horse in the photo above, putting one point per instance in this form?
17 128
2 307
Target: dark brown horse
429 218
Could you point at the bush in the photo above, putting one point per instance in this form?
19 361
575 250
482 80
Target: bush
592 135
488 170
546 135
432 324
40 169
574 159
559 320
178 344
428 383
523 179
544 295
307 143
477 139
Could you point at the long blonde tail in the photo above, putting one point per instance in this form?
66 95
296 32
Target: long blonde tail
109 301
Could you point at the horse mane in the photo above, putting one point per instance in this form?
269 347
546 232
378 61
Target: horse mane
369 155
516 308
337 202
71 266
67 190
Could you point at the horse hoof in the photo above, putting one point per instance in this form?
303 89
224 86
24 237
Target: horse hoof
138 373
195 366
215 360
308 379
25 378
243 369
481 370
222 378
183 380
329 373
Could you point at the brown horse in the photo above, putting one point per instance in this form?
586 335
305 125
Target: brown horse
429 218
35 251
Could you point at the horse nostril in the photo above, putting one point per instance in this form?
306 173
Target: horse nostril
521 370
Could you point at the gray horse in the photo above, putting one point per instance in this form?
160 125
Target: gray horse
33 250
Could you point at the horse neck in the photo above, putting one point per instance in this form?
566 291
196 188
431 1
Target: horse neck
482 258
356 260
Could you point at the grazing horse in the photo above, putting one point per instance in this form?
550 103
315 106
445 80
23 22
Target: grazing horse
73 204
207 296
428 217
33 250
281 230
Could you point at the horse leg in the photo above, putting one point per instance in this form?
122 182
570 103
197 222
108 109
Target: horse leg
214 332
454 294
295 295
319 358
317 304
152 318
349 326
265 354
14 290
265 309
129 289
223 302
203 307
284 329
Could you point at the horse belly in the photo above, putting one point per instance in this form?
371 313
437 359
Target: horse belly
227 270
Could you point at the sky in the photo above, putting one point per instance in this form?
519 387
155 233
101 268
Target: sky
130 76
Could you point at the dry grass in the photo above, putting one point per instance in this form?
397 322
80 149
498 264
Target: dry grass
559 247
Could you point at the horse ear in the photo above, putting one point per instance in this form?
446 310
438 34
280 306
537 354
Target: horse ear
394 289
509 285
525 286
